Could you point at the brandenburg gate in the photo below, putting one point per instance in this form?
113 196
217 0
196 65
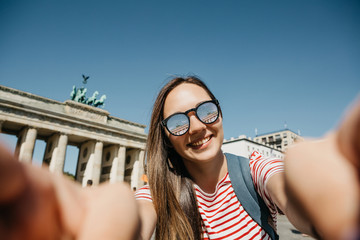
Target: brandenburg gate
110 148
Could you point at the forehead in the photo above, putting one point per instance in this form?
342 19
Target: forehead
184 97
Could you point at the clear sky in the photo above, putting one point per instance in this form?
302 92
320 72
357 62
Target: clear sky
269 63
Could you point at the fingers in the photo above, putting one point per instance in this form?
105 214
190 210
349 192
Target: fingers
28 205
35 204
324 185
12 176
111 213
348 136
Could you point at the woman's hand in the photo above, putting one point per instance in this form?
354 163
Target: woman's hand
36 204
322 179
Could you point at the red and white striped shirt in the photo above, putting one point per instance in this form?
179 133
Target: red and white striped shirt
222 214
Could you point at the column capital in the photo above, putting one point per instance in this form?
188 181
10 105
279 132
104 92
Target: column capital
29 127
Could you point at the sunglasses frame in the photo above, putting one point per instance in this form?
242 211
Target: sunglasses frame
215 101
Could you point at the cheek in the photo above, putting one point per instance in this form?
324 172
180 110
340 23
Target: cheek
220 134
218 127
176 142
178 145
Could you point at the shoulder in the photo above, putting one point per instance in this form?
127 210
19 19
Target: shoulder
261 165
262 169
143 193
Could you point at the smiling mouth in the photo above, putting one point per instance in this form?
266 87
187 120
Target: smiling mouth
200 143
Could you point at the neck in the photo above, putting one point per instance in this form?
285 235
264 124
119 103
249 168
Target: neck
207 174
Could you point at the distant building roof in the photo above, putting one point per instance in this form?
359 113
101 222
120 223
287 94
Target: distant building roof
282 130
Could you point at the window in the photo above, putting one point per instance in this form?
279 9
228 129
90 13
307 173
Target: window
108 155
284 135
128 159
128 172
83 167
85 152
49 147
106 170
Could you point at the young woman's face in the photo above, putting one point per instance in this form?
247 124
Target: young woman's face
203 141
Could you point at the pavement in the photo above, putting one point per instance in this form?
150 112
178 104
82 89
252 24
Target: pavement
287 231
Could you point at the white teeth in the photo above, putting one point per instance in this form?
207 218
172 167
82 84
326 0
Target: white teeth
201 142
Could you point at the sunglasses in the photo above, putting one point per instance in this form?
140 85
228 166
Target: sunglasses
179 123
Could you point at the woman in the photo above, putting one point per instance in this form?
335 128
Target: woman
190 195
188 173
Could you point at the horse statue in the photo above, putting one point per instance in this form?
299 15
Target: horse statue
79 95
100 102
91 100
73 93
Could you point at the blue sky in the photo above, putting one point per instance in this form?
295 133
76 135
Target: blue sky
268 62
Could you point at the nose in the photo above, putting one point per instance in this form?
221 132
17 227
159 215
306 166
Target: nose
195 124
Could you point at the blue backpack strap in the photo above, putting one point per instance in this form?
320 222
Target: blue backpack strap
242 182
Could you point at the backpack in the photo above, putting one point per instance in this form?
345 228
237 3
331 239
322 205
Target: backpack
242 182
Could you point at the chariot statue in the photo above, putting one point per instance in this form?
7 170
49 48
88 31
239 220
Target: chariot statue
79 95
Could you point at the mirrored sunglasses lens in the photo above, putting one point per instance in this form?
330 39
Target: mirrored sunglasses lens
178 124
208 112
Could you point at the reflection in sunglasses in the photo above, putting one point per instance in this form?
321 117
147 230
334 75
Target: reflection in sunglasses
210 118
180 129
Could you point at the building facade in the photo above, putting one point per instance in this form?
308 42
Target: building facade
243 146
110 148
280 140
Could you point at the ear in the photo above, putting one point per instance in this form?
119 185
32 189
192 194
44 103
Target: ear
348 134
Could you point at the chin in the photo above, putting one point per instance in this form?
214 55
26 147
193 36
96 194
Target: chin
207 155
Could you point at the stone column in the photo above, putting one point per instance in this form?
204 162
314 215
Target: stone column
59 154
93 167
118 166
25 148
97 162
140 170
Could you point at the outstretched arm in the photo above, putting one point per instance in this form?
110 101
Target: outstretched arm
276 190
148 218
35 204
322 179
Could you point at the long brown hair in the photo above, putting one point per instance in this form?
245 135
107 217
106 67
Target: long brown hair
170 184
